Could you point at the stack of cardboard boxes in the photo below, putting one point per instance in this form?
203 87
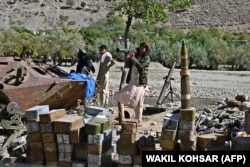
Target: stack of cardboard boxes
168 137
126 144
187 129
58 139
62 129
35 151
99 141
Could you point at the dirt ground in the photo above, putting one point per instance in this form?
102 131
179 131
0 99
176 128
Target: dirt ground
207 88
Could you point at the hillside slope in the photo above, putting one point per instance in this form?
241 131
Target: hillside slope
226 15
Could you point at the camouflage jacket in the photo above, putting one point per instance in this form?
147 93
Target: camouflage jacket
142 64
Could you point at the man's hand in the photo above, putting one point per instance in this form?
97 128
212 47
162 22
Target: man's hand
131 54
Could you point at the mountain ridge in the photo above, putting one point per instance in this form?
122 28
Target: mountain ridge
225 15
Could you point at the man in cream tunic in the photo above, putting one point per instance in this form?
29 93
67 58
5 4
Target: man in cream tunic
102 80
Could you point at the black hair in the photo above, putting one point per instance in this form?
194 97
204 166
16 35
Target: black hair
103 47
145 45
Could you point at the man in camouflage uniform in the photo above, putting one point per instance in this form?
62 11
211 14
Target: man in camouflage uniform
133 94
142 61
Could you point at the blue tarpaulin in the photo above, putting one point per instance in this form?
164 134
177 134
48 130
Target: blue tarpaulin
90 87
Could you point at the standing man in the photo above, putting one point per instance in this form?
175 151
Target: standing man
84 65
133 94
102 80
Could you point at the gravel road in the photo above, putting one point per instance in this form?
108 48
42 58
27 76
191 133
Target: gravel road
206 88
203 83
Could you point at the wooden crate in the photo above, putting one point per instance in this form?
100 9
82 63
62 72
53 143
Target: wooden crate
52 115
48 137
77 135
98 149
50 147
67 123
35 136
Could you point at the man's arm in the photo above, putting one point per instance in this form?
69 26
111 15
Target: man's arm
90 65
112 63
109 61
141 63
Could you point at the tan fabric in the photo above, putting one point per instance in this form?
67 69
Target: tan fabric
102 79
132 95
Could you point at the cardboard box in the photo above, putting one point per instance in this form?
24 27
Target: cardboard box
210 140
51 156
34 112
48 127
99 149
104 158
67 123
50 147
48 137
35 136
63 138
33 127
95 110
168 145
65 148
168 134
65 156
171 121
188 114
64 164
52 115
125 159
77 135
127 137
81 151
100 138
37 156
36 146
126 148
105 123
92 128
187 135
129 125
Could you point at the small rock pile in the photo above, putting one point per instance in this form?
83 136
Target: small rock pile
228 118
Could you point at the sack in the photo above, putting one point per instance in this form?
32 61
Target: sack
129 95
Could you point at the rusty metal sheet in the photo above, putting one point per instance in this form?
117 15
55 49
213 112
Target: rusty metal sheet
29 84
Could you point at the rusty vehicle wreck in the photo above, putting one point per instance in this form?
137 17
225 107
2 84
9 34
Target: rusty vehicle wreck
30 83
24 84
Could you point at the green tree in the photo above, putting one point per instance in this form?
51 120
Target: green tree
83 4
1 41
149 11
41 48
197 55
217 51
11 38
26 44
70 3
241 56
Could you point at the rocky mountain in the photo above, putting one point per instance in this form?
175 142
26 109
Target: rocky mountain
35 15
225 15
